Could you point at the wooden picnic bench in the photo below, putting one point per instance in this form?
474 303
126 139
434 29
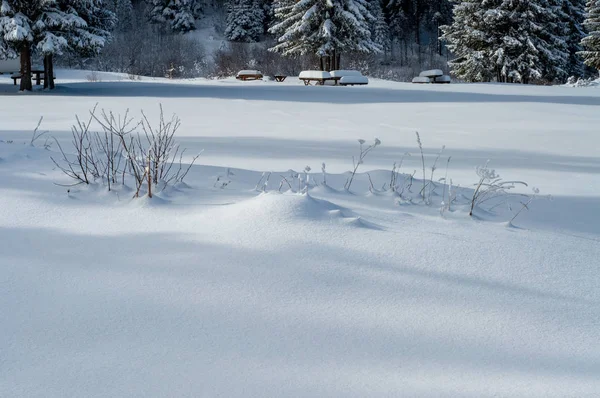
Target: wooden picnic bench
280 78
319 80
39 76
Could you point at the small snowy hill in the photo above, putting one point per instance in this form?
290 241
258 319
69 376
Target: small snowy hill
216 288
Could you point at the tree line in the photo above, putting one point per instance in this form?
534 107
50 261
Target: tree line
522 41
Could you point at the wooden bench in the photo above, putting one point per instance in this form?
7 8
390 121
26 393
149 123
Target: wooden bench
280 78
39 76
445 79
320 81
354 80
249 75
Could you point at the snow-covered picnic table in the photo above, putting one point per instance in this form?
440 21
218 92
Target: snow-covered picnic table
432 76
249 75
317 76
344 77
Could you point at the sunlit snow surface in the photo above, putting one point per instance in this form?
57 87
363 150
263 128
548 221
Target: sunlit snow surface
207 292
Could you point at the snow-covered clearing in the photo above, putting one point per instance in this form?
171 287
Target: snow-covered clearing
205 291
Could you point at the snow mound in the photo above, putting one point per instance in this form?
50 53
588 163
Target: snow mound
276 208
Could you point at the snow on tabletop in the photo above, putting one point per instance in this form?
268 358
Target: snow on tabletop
249 72
431 73
314 74
342 73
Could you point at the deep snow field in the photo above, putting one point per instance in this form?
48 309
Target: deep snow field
208 290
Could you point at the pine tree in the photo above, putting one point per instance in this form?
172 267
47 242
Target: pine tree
87 30
324 27
177 15
470 40
591 43
572 17
17 21
511 41
124 14
380 31
244 21
398 19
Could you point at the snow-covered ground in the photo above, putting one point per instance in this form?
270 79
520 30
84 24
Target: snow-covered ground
205 291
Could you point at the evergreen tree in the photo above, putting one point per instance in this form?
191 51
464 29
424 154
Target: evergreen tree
573 15
124 14
510 40
87 30
380 31
324 27
17 21
177 15
244 21
398 19
469 39
591 43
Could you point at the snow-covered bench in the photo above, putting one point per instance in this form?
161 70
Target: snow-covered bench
343 73
421 80
445 79
249 75
352 80
317 76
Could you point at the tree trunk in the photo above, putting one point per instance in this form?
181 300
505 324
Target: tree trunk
45 72
26 69
50 76
333 61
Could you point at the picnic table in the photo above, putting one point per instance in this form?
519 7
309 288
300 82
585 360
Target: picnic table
249 75
39 76
435 76
432 76
317 76
280 78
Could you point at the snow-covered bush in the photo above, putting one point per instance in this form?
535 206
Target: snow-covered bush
125 150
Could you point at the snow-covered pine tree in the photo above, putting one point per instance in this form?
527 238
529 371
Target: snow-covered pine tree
591 42
124 13
324 27
17 19
398 20
511 41
99 22
380 31
244 20
541 51
572 17
471 39
177 15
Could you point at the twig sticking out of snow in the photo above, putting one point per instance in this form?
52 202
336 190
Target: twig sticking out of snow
422 163
490 186
357 162
37 134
